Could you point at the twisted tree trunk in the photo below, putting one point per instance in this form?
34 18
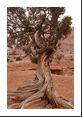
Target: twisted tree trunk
40 88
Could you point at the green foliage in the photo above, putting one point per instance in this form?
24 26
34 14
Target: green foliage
22 23
66 24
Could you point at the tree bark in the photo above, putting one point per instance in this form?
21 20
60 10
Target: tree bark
40 88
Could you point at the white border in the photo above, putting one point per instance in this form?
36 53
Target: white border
75 6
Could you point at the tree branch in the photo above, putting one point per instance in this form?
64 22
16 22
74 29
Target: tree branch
36 37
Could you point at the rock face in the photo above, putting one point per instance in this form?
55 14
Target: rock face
66 50
67 45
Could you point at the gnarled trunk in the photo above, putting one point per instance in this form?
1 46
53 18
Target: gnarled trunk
40 91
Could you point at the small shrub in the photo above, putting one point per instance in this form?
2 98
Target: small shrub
7 59
18 58
11 60
34 59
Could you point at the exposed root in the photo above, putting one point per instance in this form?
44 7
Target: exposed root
37 95
24 98
38 89
15 105
65 103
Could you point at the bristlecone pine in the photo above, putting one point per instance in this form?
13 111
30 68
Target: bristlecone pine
40 33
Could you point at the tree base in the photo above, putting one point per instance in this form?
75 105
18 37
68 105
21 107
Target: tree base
39 92
34 97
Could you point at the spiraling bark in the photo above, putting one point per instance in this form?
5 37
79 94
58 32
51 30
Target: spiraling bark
40 88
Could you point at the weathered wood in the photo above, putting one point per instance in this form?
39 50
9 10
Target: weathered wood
42 86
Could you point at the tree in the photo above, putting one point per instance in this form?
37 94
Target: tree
39 31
